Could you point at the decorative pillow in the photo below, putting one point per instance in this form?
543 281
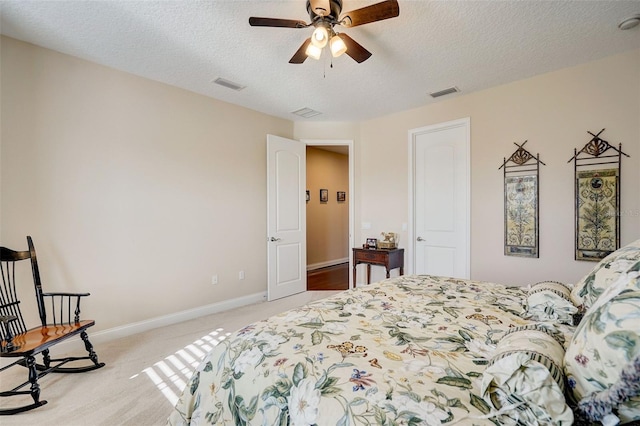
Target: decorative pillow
524 382
599 406
606 342
549 301
590 287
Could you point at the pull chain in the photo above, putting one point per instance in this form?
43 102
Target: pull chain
324 67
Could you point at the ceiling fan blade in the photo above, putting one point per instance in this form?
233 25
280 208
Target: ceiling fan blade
376 12
320 7
300 56
276 22
354 49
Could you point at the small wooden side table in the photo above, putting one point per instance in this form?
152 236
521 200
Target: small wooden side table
390 259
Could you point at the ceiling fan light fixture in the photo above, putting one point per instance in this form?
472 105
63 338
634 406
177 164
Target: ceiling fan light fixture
324 15
320 37
313 51
337 46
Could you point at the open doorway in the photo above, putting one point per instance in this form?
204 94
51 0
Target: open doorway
329 182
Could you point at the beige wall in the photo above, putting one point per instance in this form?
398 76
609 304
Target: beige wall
135 191
336 130
138 192
553 112
327 223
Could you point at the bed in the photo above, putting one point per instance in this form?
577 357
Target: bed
432 350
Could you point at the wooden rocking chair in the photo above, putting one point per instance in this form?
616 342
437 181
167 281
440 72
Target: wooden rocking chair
20 342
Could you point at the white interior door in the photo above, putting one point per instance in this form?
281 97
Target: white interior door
286 217
440 183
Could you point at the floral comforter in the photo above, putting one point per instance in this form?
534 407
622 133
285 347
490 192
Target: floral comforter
405 351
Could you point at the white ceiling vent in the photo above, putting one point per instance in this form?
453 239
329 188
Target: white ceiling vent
444 92
228 84
306 112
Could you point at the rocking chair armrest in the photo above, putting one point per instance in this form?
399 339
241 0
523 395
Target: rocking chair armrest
66 294
5 319
65 307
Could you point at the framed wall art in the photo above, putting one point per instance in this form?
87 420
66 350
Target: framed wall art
342 196
597 198
521 203
324 195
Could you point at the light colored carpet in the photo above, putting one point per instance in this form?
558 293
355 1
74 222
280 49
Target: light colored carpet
144 374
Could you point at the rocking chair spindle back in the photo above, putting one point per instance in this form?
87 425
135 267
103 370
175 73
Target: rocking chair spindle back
18 341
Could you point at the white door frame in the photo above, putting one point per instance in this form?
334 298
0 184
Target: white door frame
349 144
413 133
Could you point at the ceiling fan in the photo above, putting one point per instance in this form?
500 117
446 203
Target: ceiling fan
324 15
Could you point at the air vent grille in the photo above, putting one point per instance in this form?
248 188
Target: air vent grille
306 112
228 84
444 92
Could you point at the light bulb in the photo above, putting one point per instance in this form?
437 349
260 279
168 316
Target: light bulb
320 37
313 51
337 46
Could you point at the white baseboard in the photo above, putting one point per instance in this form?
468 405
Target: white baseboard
162 321
328 263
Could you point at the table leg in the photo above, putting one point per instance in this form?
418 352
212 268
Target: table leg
368 273
355 265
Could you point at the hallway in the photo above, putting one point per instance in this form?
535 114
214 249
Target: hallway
329 278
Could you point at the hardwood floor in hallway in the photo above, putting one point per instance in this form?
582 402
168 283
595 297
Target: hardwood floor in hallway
329 278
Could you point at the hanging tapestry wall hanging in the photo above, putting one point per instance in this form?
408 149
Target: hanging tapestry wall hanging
597 198
521 203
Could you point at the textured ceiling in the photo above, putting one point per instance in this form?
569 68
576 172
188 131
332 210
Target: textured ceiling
432 45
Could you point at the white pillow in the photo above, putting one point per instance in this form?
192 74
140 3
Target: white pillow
591 286
606 342
524 379
550 301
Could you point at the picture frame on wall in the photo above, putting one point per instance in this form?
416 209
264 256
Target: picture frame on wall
597 218
324 195
308 196
521 203
597 178
342 196
521 215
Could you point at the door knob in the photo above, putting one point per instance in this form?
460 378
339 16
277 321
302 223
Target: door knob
274 239
420 239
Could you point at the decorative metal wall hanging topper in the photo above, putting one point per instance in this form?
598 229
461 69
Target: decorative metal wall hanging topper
521 203
597 172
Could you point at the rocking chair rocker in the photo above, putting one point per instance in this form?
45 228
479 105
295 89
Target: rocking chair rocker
20 342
